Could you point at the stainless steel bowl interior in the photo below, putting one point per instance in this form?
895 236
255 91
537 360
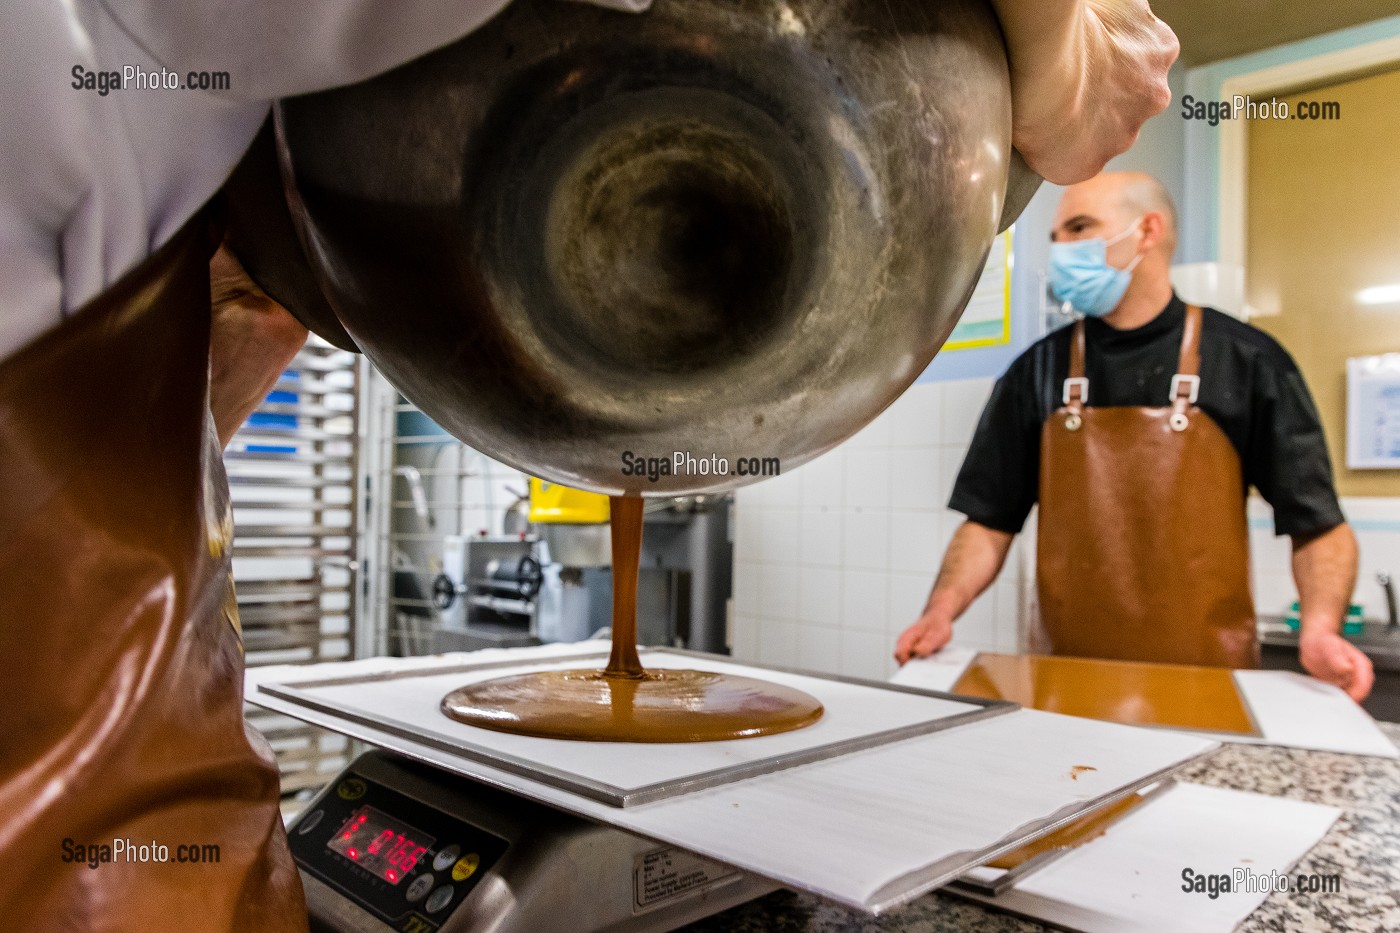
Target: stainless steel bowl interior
584 240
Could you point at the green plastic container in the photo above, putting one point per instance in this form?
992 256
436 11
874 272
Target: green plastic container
1354 624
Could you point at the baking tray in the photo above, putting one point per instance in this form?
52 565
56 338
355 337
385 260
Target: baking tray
484 746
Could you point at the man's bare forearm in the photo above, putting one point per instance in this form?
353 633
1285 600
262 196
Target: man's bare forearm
1324 568
975 557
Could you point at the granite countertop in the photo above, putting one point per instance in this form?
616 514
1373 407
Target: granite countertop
1363 846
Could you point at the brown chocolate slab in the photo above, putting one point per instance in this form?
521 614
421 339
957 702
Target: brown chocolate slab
1129 692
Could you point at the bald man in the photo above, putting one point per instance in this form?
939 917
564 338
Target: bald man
1138 430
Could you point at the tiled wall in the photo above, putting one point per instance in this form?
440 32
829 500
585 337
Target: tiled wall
833 560
1377 526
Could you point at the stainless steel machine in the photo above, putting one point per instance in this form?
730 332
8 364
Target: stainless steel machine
485 595
683 585
394 844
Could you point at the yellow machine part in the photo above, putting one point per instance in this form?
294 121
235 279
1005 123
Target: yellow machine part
552 503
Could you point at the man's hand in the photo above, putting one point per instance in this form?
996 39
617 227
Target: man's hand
1085 76
1330 657
931 632
253 340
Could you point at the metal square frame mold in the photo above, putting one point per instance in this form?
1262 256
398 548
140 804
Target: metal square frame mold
297 692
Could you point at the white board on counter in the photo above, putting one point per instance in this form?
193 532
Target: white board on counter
1133 879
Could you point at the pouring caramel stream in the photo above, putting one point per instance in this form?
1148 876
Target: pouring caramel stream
626 520
625 702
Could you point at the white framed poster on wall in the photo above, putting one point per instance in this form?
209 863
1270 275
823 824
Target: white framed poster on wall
1373 412
986 321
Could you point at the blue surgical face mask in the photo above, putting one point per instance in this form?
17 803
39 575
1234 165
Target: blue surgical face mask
1081 275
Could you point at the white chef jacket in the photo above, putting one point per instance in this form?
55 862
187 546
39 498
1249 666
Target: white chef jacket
91 184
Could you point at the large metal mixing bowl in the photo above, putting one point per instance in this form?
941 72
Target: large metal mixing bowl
579 239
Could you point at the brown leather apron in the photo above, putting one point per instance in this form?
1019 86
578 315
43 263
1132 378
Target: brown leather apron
1143 550
121 703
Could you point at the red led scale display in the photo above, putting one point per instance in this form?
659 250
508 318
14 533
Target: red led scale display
380 844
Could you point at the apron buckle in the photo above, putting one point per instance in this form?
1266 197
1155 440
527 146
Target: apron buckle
1080 383
1192 385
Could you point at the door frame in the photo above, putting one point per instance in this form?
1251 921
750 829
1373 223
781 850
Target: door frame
1287 78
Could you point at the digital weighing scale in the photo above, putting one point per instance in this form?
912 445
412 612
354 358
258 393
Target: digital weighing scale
393 844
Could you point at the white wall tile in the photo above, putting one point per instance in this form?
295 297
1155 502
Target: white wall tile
1376 522
744 646
819 649
822 537
867 654
777 642
782 491
948 524
908 595
916 542
1006 598
866 543
834 560
864 600
963 402
916 480
745 586
1270 553
819 596
915 417
1371 509
874 434
747 529
779 532
867 482
778 591
1273 593
976 628
822 480
952 458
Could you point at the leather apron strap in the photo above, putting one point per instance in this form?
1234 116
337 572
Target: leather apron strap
122 711
1143 546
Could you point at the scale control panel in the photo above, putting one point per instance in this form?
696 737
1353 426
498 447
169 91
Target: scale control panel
401 860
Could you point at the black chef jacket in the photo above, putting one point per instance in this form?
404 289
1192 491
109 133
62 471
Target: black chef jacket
1250 386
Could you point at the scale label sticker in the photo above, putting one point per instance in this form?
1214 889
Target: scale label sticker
665 875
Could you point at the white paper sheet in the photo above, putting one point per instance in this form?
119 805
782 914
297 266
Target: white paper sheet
1130 880
1303 712
938 671
871 829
